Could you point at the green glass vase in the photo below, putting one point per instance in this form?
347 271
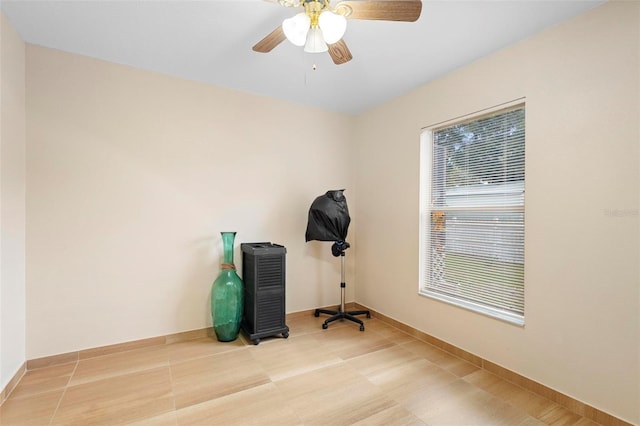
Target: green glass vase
227 295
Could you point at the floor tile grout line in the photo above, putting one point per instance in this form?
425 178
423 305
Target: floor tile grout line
64 392
554 404
279 390
176 362
98 378
127 351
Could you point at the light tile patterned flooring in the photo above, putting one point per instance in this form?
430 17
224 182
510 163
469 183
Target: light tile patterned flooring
338 376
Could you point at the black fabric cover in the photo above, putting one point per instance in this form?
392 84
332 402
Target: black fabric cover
328 217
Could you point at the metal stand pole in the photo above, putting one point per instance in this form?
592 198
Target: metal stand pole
340 313
343 285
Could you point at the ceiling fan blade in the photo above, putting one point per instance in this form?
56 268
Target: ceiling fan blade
339 52
267 44
383 10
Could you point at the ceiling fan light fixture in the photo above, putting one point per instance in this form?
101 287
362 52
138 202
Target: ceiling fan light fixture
322 25
315 42
296 28
333 26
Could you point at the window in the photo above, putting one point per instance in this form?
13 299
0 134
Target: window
472 213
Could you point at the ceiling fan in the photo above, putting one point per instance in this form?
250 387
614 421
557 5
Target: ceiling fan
320 27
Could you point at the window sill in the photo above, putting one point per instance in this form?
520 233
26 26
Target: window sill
483 310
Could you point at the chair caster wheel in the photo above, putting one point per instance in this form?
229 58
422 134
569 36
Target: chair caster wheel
316 313
255 341
362 328
368 315
325 326
285 334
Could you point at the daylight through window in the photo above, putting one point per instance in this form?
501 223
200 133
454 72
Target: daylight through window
472 213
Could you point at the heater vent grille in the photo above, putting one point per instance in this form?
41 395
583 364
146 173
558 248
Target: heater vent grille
271 271
270 309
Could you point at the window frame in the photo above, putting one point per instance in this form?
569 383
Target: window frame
426 209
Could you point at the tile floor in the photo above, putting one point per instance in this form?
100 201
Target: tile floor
338 376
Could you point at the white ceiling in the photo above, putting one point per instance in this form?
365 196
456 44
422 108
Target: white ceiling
211 40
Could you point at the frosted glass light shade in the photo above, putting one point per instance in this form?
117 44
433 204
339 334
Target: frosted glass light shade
296 28
315 42
332 25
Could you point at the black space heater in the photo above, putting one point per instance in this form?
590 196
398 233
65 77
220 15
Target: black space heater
263 273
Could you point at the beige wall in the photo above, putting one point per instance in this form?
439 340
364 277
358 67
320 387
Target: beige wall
131 177
581 83
12 202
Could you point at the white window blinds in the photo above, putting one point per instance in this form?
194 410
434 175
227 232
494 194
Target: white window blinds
472 229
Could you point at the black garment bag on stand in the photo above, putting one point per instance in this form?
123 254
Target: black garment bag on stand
329 221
